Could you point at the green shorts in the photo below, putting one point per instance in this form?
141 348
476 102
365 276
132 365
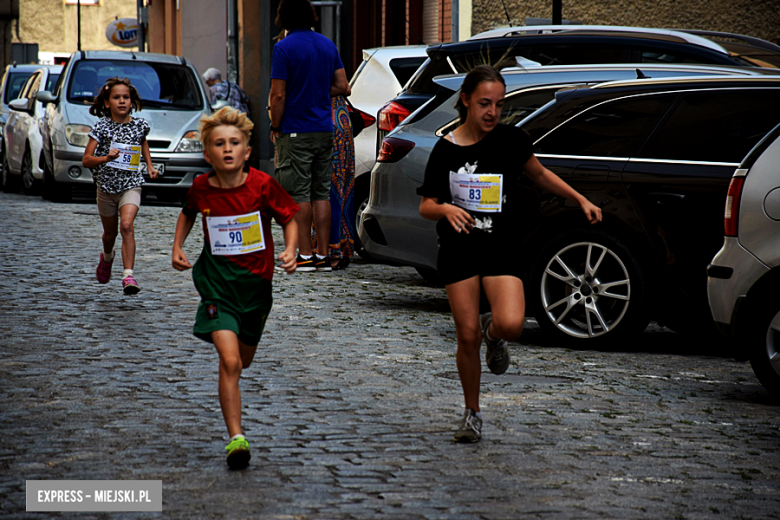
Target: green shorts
303 165
219 315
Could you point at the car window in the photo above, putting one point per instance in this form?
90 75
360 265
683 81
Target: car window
14 85
658 56
160 85
613 129
715 126
518 106
31 90
404 68
24 92
51 81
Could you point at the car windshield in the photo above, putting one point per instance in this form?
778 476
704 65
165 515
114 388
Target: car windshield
160 85
51 81
14 85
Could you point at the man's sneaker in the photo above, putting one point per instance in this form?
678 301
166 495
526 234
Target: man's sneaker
104 269
130 286
470 427
305 266
238 453
322 264
497 353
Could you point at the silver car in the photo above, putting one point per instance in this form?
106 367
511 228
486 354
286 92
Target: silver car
173 101
744 276
22 134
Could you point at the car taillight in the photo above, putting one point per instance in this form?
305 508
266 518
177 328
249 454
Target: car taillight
393 150
368 119
391 116
731 214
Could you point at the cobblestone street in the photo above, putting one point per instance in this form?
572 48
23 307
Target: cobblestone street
352 399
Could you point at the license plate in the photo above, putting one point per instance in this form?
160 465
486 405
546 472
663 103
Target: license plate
160 167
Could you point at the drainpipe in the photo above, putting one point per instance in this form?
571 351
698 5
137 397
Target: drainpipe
232 41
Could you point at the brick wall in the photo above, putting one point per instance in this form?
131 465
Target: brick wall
759 18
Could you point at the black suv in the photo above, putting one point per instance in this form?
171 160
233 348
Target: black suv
657 156
574 45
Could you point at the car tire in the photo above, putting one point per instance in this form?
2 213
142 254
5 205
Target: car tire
10 182
53 190
30 184
764 347
586 307
359 203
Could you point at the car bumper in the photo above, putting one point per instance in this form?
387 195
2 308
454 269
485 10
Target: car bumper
180 169
392 228
730 276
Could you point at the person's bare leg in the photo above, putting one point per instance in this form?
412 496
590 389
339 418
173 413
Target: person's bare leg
127 215
464 303
322 218
230 366
507 306
303 220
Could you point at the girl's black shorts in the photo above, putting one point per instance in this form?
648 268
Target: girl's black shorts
486 258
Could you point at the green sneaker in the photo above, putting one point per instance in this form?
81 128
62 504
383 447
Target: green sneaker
238 453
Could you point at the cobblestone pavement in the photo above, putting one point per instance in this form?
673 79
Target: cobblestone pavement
352 400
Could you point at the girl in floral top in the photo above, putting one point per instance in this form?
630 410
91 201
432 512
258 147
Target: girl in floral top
116 146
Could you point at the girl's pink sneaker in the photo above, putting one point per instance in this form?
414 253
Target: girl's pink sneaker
104 269
130 286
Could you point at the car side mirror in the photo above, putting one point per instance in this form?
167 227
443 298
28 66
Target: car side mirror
221 103
20 105
46 97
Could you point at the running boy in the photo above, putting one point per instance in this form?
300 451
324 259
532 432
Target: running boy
114 151
233 274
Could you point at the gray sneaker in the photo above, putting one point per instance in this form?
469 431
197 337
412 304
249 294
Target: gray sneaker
470 427
497 353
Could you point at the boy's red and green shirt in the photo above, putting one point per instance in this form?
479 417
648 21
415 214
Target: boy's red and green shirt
238 279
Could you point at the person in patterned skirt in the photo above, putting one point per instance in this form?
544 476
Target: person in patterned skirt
233 273
117 143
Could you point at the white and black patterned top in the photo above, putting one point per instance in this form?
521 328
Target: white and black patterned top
107 131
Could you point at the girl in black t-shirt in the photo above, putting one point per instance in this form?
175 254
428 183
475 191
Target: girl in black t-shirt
470 189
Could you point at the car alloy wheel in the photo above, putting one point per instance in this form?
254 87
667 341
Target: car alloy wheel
29 183
765 349
587 286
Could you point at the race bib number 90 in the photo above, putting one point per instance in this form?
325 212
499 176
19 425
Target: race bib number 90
129 157
477 192
236 235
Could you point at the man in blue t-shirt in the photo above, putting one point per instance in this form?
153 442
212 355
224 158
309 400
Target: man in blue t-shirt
306 72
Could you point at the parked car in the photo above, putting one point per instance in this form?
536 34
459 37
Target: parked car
744 276
656 154
173 102
22 134
379 78
14 78
571 45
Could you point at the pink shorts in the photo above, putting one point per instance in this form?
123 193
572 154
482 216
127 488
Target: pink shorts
109 204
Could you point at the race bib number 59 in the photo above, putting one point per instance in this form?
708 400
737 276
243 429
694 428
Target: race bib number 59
129 157
236 235
477 192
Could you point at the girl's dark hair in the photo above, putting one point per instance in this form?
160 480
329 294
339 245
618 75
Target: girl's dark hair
479 74
99 107
296 14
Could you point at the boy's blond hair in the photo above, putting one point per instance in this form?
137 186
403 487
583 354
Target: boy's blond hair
228 116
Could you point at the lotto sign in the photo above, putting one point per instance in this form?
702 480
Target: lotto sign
129 157
123 32
480 193
237 235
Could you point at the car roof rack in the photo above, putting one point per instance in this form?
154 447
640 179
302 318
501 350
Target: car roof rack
755 42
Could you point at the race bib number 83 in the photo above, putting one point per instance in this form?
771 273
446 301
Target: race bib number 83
474 192
236 235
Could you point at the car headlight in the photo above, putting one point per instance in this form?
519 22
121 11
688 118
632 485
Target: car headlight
77 135
190 143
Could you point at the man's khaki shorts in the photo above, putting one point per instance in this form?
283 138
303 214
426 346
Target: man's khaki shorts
303 166
109 204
